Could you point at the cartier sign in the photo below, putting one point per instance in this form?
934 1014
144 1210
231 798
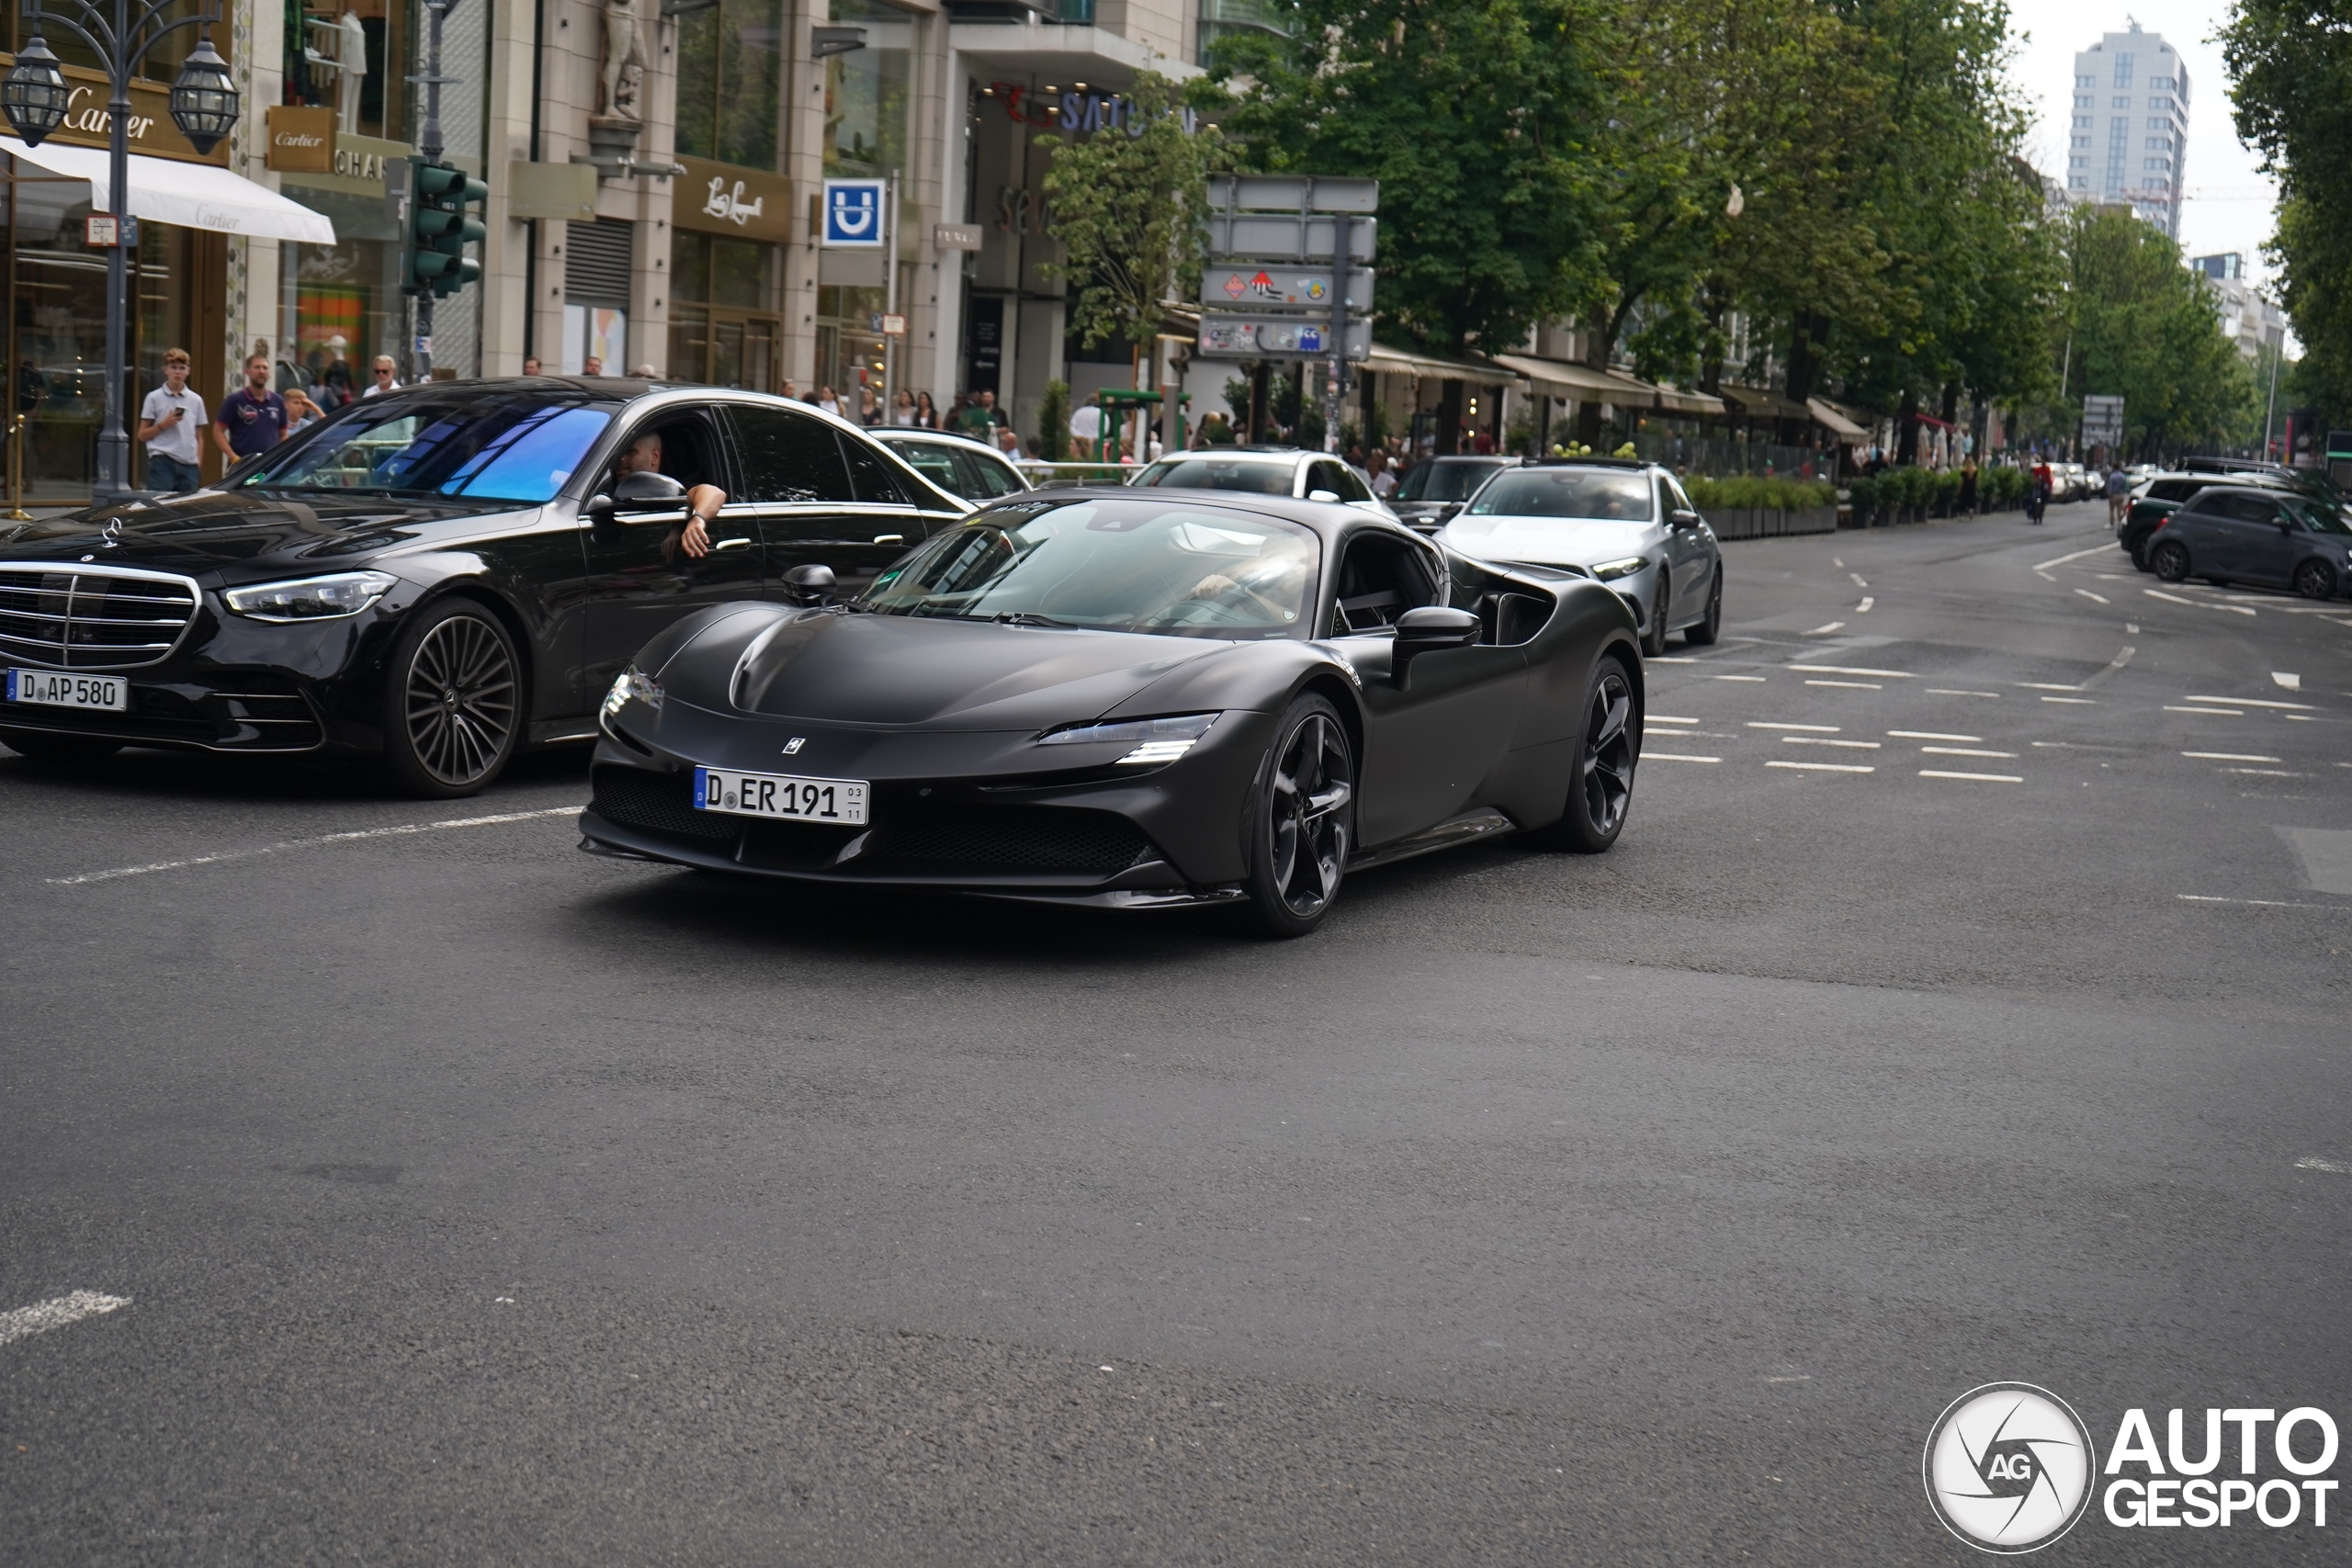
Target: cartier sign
722 198
87 123
301 140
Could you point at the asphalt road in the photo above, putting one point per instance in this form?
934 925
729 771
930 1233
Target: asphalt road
1964 1003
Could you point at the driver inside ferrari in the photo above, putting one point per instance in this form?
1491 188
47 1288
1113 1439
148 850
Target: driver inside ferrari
643 455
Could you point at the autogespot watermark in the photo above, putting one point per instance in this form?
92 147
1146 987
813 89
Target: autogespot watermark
2009 1468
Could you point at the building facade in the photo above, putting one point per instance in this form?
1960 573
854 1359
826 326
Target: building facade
2250 318
2129 137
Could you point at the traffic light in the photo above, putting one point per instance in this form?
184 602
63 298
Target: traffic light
439 230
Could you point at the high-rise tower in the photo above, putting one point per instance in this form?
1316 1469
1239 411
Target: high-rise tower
2130 133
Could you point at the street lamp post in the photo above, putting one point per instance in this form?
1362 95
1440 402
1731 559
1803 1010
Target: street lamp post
204 104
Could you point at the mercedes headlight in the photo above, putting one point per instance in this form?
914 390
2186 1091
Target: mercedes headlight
632 685
1153 739
311 598
1610 570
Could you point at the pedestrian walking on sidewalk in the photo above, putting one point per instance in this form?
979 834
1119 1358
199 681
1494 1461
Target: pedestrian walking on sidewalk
167 423
252 418
2119 495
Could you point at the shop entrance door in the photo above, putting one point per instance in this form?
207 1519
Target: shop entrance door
725 348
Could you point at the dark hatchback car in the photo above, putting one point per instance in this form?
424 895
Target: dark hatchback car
2167 494
1434 488
2278 538
435 577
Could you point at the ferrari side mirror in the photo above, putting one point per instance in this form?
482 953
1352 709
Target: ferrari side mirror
1429 629
812 584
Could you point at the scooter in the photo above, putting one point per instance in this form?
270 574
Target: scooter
2034 504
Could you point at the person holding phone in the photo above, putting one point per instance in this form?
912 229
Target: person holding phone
168 423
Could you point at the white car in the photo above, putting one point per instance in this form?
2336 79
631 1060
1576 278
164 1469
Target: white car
1266 471
957 464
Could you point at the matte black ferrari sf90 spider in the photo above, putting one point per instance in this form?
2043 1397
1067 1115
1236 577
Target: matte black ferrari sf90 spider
1132 700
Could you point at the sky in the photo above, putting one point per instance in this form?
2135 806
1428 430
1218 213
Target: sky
2229 200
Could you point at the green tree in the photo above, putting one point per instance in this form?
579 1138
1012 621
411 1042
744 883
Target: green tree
1128 205
2143 328
2291 71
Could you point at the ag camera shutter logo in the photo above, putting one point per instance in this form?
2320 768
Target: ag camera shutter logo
2009 1468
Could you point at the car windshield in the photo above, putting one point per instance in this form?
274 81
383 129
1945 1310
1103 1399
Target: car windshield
2321 519
517 448
1133 566
1260 475
1442 482
931 462
1616 497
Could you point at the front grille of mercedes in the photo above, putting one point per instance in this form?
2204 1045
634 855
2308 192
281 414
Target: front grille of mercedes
909 836
91 618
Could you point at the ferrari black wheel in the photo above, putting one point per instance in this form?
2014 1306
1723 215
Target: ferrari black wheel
1654 634
2315 579
60 751
1704 633
1602 790
451 701
1303 822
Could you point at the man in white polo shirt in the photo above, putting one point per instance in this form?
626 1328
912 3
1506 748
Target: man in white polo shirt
167 423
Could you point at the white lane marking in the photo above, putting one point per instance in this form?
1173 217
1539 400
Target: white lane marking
1858 580
2302 717
1825 740
1756 680
1823 631
1963 751
1675 757
1836 562
2253 702
1980 778
1772 724
2045 686
2078 702
1668 719
2224 712
1956 692
2129 630
2074 746
2114 666
2198 604
324 839
1854 669
2254 903
1851 685
1864 607
1824 767
2267 772
2101 598
2332 1167
2229 757
2042 571
42 1316
1929 735
1672 659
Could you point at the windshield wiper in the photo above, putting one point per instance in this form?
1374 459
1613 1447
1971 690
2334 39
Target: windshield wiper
1031 618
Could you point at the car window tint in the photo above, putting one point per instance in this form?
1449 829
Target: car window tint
1325 475
982 478
2242 508
1674 490
941 468
789 456
1198 471
871 476
1352 485
1598 493
2172 489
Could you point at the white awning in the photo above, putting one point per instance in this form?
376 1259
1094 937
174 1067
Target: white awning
1839 424
1386 361
191 196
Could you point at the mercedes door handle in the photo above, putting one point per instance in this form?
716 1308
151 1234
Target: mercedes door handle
889 538
732 544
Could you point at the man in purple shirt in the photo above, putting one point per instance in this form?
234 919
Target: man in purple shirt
252 418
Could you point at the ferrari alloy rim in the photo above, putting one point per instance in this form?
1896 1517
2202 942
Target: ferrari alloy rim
460 700
1314 785
1608 752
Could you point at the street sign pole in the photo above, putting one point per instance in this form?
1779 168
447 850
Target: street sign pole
1339 333
891 295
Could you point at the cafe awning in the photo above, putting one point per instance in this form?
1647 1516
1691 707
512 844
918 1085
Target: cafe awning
1386 361
1757 403
190 196
1836 421
1564 378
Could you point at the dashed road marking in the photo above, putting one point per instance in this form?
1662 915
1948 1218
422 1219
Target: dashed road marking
2229 757
2198 604
1775 724
1956 691
42 1316
2224 712
1850 686
1823 767
1962 752
1672 659
2077 702
2332 1167
2101 598
1752 679
1858 580
2062 561
1930 735
1823 631
1854 669
2253 703
1864 607
1675 757
2255 903
1668 719
325 838
2267 772
1828 740
1978 778
2045 686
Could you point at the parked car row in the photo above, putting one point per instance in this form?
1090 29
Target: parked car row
2274 528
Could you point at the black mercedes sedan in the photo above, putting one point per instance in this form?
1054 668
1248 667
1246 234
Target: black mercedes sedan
435 577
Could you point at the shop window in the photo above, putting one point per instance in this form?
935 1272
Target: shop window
849 342
723 327
866 95
385 32
733 52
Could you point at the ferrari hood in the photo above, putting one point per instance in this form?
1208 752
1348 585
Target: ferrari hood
238 533
1558 541
899 670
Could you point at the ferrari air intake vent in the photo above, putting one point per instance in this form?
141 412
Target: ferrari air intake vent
1014 838
658 803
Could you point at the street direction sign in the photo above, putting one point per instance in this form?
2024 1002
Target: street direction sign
1293 193
1288 237
1225 336
1248 287
2103 420
854 215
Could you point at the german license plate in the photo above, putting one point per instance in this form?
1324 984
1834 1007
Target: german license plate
781 795
54 688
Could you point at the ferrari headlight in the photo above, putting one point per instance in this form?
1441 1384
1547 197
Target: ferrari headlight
1610 570
312 598
632 685
1153 739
